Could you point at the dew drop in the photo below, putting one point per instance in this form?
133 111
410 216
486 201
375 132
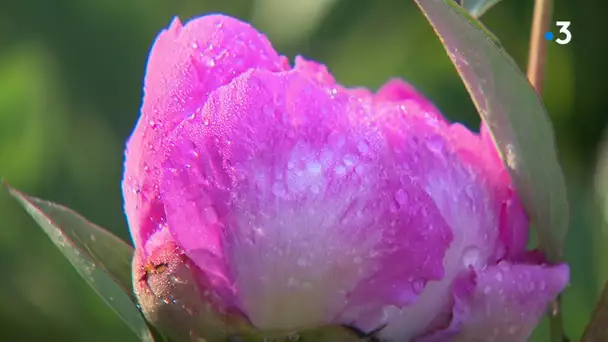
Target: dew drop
210 215
340 170
195 45
348 160
498 276
208 61
363 146
418 286
314 167
435 144
471 257
512 157
401 196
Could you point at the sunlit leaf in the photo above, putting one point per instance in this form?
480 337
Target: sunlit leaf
101 258
477 7
514 114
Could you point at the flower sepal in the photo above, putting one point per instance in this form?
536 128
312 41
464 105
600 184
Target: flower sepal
173 299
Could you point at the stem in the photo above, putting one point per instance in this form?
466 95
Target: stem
536 73
538 43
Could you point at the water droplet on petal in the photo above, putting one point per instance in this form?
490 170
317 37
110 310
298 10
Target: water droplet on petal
314 167
418 286
208 61
348 160
471 257
401 196
435 144
210 215
363 146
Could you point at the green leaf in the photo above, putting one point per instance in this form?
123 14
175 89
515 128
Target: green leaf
514 114
597 328
101 258
478 7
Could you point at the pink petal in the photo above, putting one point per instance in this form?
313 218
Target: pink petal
316 71
319 73
397 90
300 198
503 303
514 227
478 204
186 64
479 150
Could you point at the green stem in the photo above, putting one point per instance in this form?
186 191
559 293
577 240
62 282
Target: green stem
538 44
536 72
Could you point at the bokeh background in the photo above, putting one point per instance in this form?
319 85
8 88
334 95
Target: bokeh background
70 90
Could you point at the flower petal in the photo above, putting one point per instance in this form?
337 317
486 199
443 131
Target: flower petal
479 150
186 64
504 303
397 90
464 192
306 199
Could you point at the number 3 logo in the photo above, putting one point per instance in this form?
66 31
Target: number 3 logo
563 25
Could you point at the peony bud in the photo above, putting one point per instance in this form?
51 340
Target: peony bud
268 200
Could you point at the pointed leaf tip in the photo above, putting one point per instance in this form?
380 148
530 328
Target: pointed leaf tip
102 259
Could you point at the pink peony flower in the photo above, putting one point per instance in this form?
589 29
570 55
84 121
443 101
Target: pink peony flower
297 203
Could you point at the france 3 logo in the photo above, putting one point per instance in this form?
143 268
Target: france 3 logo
564 36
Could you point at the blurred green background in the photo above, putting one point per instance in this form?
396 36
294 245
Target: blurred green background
70 90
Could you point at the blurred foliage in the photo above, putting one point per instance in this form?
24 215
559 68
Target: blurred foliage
70 90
